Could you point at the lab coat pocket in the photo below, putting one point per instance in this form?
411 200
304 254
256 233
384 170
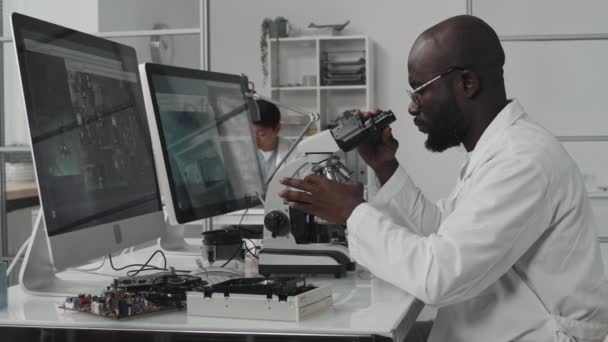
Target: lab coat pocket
570 330
566 329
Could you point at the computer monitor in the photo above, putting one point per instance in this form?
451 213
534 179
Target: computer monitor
203 141
90 140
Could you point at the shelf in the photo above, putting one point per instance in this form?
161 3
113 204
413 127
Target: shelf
296 88
338 87
345 87
19 190
342 37
314 38
15 149
293 39
292 58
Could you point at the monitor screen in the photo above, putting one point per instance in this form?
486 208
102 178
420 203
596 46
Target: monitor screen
206 140
87 121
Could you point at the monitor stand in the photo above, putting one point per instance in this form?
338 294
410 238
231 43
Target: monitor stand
173 242
38 274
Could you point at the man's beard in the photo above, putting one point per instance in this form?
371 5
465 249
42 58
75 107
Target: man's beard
447 130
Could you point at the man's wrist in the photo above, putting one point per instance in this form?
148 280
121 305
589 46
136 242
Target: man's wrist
386 170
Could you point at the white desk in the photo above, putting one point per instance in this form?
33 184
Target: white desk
364 310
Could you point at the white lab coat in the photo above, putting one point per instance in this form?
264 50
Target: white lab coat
270 164
283 148
511 254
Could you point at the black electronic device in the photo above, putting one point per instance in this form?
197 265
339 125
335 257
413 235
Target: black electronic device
203 141
271 286
250 231
87 120
355 130
275 298
223 244
91 150
169 281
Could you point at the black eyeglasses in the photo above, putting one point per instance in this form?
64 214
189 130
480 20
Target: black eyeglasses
415 94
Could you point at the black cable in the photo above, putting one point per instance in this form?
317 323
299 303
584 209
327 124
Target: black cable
253 243
252 253
147 267
136 265
242 217
255 247
241 229
143 267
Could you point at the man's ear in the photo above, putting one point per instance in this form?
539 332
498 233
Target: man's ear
471 83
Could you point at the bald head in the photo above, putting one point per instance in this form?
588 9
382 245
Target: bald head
463 41
460 61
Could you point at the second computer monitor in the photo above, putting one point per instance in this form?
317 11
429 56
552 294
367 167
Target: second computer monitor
203 141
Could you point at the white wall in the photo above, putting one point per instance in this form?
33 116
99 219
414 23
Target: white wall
517 17
391 24
121 15
129 15
561 84
78 14
97 16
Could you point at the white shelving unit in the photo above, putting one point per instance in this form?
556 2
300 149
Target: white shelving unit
295 77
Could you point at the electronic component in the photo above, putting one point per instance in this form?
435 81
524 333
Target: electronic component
117 304
224 245
200 124
92 151
134 296
276 298
279 286
356 130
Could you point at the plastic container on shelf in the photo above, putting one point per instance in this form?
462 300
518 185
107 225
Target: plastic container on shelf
20 172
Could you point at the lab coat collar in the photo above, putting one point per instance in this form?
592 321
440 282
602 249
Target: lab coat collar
492 135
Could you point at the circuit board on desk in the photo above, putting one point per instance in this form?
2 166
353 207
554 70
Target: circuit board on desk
137 296
118 305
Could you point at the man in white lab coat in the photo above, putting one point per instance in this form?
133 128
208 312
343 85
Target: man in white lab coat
271 147
511 254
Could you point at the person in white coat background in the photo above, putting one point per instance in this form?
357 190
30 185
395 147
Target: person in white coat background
512 253
271 147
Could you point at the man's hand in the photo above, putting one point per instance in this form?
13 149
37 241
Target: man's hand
330 200
379 153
